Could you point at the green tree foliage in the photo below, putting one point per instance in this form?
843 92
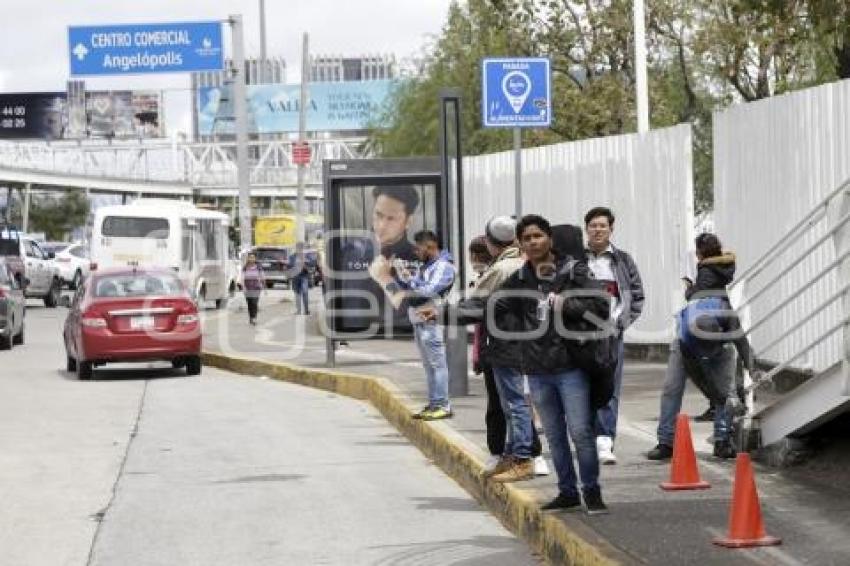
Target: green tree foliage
703 55
57 217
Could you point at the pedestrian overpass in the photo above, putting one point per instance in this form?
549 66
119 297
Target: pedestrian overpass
169 168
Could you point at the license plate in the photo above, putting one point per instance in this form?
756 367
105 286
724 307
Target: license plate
266 264
141 322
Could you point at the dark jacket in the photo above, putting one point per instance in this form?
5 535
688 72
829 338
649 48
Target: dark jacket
714 274
630 286
547 353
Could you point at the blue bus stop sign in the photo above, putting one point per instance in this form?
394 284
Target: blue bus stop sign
145 48
516 92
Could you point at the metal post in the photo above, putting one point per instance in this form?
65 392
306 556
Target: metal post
263 77
839 209
25 220
640 68
452 181
518 171
302 138
240 111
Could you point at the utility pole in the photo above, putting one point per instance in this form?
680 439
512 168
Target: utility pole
640 68
240 111
302 139
263 75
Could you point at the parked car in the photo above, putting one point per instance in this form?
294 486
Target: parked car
132 315
275 264
73 263
34 268
12 308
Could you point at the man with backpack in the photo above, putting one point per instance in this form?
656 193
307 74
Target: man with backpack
537 311
707 329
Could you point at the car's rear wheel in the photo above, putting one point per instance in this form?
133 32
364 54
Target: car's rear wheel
221 303
193 365
6 342
71 363
52 297
84 370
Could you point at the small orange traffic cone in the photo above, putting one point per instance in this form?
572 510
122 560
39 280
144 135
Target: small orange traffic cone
745 524
683 470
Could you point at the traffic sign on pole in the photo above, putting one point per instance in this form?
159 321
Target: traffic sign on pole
145 48
516 92
301 153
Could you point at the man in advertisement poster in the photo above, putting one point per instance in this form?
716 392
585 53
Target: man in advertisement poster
392 213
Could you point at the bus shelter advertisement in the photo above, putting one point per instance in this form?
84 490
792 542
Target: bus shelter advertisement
274 108
373 244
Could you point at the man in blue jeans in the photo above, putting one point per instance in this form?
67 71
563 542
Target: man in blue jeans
532 310
619 272
433 281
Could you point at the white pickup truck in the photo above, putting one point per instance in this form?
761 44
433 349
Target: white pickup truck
40 274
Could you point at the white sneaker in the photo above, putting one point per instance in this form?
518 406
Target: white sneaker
491 462
541 468
605 450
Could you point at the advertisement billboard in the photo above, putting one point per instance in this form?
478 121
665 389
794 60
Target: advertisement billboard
39 115
55 116
374 207
274 108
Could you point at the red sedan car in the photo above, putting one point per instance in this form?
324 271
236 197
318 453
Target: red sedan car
132 315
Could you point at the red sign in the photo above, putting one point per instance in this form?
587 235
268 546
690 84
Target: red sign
301 153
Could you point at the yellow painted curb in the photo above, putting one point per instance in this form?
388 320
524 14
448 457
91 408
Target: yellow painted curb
558 539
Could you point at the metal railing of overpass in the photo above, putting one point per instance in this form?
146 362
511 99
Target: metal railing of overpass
197 165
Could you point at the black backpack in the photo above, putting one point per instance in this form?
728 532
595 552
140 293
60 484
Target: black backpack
597 356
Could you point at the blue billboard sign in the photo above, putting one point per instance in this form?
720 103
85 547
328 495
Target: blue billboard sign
516 92
274 108
145 48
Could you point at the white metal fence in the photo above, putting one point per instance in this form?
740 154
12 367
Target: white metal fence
645 179
774 161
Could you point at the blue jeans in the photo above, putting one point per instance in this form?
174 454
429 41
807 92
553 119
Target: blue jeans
606 417
712 375
301 287
517 410
432 348
563 401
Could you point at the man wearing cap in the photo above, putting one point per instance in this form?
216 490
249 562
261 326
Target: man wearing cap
517 460
620 273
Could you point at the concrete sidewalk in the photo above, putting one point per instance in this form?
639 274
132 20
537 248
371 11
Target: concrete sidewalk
646 525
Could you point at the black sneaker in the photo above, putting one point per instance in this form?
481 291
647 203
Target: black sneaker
563 501
660 452
707 416
593 502
724 450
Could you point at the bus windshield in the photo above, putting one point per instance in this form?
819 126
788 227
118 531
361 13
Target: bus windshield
135 227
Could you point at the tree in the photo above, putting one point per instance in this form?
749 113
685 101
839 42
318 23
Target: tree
57 217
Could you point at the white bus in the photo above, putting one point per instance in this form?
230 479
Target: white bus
166 233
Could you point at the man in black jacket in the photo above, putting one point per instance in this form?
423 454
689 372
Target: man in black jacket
618 271
531 314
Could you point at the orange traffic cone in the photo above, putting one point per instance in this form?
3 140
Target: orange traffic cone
745 525
683 470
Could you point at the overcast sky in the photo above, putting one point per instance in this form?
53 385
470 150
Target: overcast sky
34 53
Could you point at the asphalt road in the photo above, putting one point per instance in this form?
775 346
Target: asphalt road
145 466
